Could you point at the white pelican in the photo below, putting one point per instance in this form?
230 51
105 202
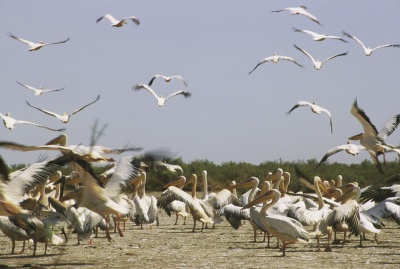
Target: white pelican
288 230
206 196
370 138
160 166
319 37
167 79
10 123
275 59
318 64
64 118
36 46
177 206
368 51
301 10
314 108
196 209
119 23
90 154
160 100
13 232
348 148
40 90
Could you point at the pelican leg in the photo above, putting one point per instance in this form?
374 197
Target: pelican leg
34 247
255 236
361 239
376 239
317 237
335 240
23 247
45 248
265 235
184 220
283 249
107 229
115 223
13 246
202 226
119 225
269 239
65 235
328 248
194 225
176 219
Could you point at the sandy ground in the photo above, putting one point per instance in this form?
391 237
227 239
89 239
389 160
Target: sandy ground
170 246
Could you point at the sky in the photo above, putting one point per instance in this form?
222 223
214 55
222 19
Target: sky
213 45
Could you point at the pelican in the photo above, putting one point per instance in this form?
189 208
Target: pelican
370 138
36 46
167 79
173 193
318 64
206 196
275 59
10 123
13 232
177 206
160 166
288 230
368 51
160 100
348 148
314 108
301 10
117 23
90 154
40 90
64 118
319 37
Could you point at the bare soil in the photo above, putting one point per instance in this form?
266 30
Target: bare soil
176 246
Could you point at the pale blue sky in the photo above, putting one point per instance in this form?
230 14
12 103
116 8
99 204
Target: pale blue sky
231 116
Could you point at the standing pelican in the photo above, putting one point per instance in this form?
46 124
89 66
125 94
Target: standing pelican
368 51
119 23
286 229
275 59
160 99
10 123
373 141
178 206
319 37
35 46
64 118
318 64
301 10
314 108
39 91
167 79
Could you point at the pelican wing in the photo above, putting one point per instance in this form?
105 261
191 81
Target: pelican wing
79 109
234 214
288 226
391 124
264 60
184 93
289 59
331 152
369 128
376 195
299 104
39 125
26 86
132 18
387 46
22 40
60 42
306 53
355 39
45 111
334 56
376 162
330 116
146 87
173 193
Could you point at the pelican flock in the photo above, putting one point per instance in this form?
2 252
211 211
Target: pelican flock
39 201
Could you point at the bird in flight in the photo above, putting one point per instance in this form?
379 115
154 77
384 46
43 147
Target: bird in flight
318 64
275 59
64 118
118 23
167 79
36 46
319 37
40 90
10 123
301 10
314 108
160 99
368 51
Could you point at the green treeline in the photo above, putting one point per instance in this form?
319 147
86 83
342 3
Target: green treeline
220 175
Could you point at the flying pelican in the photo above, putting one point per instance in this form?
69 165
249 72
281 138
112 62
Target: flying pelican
348 148
90 154
301 10
40 90
288 230
160 166
318 64
370 138
368 51
314 108
274 59
64 118
167 79
160 100
196 209
117 23
319 37
9 123
35 46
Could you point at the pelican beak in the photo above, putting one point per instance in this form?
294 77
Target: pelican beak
247 183
260 199
138 180
190 180
356 137
179 182
274 176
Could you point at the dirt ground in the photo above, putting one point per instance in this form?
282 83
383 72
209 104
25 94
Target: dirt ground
170 246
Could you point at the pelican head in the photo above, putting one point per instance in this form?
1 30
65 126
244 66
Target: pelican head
268 195
180 182
357 137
